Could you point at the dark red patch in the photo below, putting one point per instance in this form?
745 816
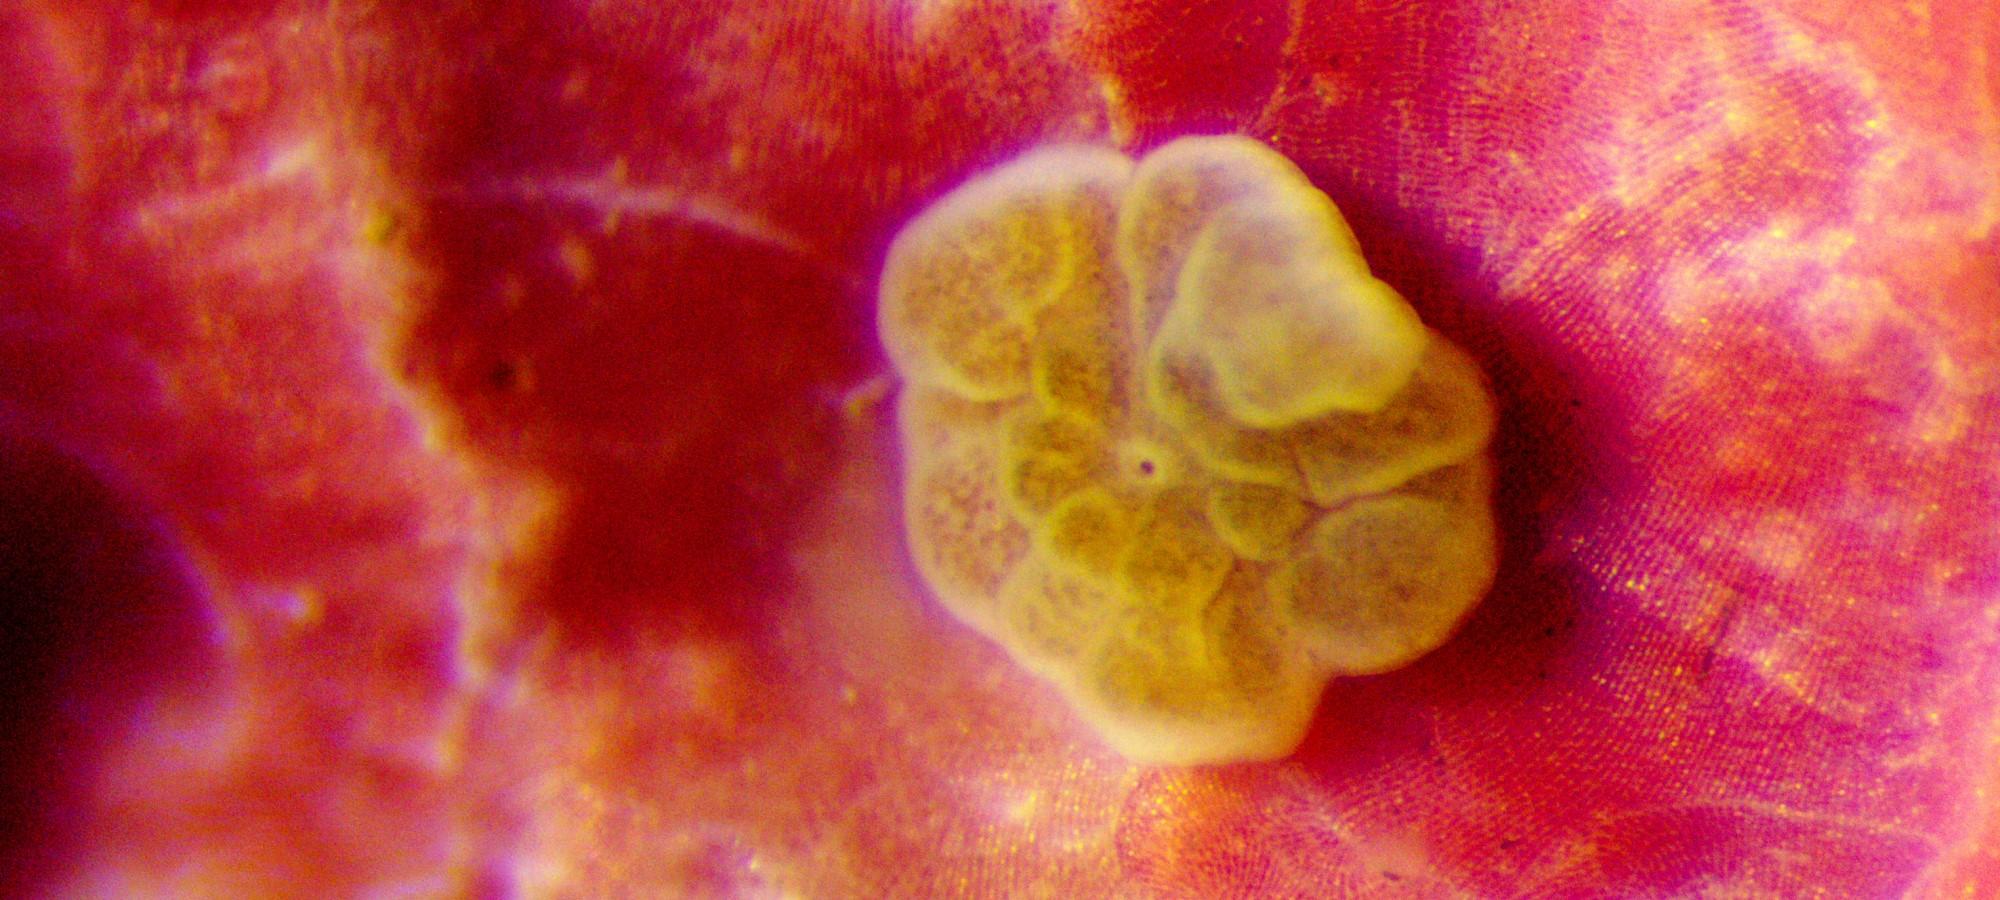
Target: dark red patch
677 383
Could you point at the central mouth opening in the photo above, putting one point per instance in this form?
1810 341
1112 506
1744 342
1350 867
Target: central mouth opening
1147 462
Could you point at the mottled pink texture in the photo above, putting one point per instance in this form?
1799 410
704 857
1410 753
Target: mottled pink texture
479 397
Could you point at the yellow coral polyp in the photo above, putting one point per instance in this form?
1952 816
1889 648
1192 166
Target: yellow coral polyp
1171 444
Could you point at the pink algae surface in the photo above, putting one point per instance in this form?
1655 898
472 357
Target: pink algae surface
445 448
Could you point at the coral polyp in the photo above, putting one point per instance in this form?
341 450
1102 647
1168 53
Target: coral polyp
1170 442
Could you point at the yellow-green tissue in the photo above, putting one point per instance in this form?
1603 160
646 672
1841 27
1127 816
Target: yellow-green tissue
1171 444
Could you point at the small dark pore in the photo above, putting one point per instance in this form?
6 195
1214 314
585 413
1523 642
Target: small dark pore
506 376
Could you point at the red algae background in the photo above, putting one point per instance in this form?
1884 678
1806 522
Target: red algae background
446 449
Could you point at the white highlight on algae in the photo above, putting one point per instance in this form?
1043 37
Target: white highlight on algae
1170 444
